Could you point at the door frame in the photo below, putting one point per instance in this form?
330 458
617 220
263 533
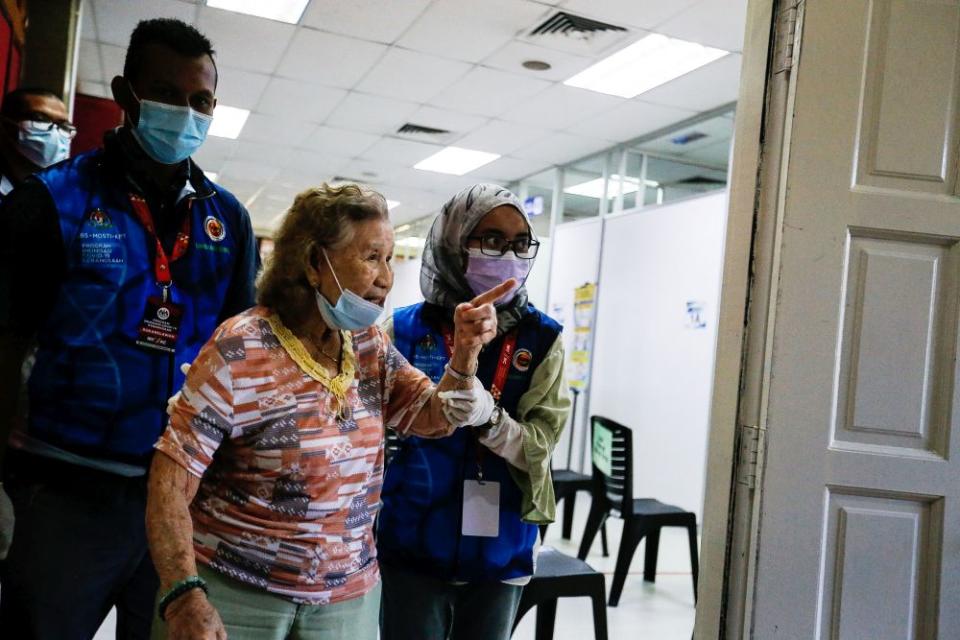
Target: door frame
749 284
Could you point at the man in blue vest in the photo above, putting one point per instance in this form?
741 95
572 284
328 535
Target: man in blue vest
115 266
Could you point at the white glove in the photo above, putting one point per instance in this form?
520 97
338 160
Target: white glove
172 400
6 522
467 406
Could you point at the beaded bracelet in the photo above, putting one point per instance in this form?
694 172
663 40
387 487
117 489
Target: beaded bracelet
177 590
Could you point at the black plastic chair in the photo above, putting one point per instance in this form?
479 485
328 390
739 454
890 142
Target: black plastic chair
560 576
642 517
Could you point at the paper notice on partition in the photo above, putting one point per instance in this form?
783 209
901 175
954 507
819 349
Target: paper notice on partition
584 299
603 449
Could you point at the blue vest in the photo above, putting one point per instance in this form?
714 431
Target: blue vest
92 390
420 523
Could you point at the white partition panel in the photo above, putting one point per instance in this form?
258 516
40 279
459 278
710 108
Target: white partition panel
655 337
406 284
576 260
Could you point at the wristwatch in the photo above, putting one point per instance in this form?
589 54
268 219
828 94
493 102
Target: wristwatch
496 419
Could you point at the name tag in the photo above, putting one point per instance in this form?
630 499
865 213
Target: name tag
160 325
481 509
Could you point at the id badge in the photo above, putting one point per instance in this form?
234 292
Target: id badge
481 509
160 325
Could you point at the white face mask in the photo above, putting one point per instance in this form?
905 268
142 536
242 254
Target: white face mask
42 143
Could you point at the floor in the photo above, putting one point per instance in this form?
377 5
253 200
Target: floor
660 611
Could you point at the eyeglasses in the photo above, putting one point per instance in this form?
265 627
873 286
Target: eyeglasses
45 126
493 244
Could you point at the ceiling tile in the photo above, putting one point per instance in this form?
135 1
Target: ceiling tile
214 152
366 19
112 57
409 75
560 106
247 170
341 143
96 89
264 128
329 59
116 20
508 169
373 114
307 169
453 121
716 154
488 92
628 13
629 121
271 154
238 88
512 56
241 189
710 86
245 42
716 23
88 23
471 31
501 137
559 147
299 100
403 152
88 62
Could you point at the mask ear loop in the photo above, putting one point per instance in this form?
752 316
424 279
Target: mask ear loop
335 278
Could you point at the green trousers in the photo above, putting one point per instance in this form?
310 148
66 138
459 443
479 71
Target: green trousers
253 614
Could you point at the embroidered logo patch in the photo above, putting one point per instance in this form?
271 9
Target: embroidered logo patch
522 359
215 229
100 219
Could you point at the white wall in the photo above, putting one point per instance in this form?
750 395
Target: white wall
406 284
652 371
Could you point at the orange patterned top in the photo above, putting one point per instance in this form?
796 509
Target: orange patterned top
291 475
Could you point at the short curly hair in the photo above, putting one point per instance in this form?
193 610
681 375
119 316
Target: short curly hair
171 33
320 217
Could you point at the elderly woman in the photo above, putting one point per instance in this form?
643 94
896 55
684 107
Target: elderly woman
458 527
263 492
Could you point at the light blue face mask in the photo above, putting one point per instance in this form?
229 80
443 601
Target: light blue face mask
42 143
352 312
169 133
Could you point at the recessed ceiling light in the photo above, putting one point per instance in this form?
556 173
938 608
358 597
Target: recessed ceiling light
402 228
391 204
456 161
211 175
282 10
594 188
647 63
411 242
228 121
536 65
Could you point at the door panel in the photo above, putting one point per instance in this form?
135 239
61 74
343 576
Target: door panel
859 527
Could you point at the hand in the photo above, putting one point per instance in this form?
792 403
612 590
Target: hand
475 324
6 523
467 407
192 617
172 400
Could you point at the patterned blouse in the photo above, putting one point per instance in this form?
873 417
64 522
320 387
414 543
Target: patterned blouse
291 461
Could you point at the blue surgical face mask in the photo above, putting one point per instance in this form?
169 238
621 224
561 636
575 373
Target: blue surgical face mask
169 133
351 312
42 144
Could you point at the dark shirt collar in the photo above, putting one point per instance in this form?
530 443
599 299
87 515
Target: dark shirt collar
125 157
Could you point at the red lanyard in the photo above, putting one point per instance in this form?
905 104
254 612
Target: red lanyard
503 363
161 263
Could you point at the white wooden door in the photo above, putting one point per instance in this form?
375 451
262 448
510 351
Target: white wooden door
859 527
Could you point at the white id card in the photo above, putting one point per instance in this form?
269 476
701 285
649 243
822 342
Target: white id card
481 509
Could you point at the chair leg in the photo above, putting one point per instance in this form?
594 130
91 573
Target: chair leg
632 534
599 612
603 539
543 532
650 555
546 618
694 557
525 605
596 517
568 504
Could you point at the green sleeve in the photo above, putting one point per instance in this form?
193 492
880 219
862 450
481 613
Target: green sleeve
542 414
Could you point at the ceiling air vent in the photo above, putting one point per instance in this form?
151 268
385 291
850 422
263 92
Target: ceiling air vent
689 137
346 179
424 133
571 25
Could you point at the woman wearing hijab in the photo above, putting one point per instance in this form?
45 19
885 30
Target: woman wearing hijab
457 531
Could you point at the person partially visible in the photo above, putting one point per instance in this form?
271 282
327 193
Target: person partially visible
35 133
116 266
457 533
266 483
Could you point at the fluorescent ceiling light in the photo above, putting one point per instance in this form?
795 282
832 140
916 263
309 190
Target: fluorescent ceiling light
594 188
228 121
402 228
392 204
282 10
211 175
456 161
412 242
647 63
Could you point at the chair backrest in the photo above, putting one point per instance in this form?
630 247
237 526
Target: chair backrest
612 457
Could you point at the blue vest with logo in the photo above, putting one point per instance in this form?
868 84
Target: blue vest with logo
421 520
92 390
